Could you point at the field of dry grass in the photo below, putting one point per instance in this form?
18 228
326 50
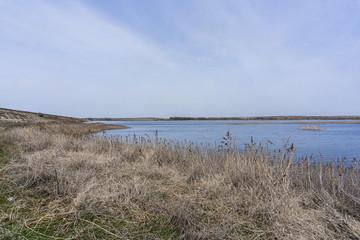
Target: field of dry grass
51 123
56 184
11 116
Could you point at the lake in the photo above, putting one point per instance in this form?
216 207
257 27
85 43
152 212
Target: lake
335 141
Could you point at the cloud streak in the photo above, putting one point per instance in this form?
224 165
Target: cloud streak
211 58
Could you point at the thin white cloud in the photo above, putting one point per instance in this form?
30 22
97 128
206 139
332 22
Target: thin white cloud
55 52
73 30
66 57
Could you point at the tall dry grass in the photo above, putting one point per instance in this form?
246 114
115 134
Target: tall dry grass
199 193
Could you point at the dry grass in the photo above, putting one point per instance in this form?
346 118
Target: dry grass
89 187
76 129
15 117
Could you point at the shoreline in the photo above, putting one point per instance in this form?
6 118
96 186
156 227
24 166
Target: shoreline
265 118
26 116
292 123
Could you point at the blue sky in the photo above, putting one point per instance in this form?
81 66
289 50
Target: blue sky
180 58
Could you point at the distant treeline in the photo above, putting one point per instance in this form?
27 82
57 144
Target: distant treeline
267 118
264 118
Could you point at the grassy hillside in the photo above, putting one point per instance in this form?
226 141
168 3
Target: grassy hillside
51 123
17 116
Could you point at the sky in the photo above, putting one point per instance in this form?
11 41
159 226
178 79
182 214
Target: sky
139 58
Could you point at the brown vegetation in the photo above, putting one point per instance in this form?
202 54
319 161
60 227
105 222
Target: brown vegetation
88 187
76 129
16 117
51 123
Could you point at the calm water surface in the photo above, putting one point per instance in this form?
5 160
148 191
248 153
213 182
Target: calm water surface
334 142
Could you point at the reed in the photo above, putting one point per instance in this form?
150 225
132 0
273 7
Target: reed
146 188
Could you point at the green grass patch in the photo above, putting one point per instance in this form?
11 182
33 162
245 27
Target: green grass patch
4 152
159 227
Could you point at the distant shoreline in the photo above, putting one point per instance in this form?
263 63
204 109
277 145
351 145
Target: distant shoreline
292 123
265 118
20 115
